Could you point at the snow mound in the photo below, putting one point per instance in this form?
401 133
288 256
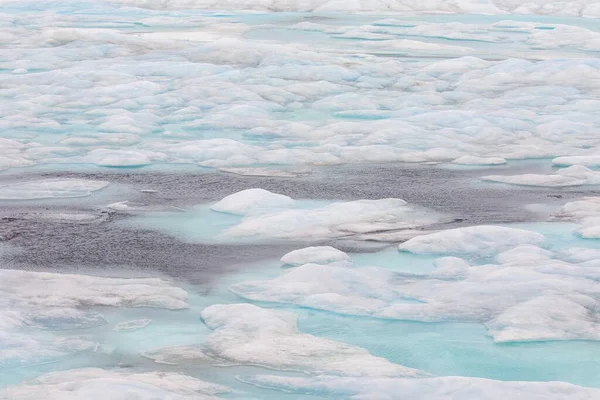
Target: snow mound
525 253
35 303
543 7
575 175
479 240
318 255
252 201
247 334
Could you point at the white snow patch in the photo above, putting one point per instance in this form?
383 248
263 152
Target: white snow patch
269 215
513 299
250 335
252 201
438 388
481 240
318 255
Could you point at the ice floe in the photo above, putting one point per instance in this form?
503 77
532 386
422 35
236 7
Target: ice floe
588 8
272 215
318 255
525 296
96 383
478 240
110 84
588 161
250 335
34 302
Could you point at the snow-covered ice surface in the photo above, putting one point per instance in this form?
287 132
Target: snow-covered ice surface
585 8
316 254
533 300
525 293
109 85
259 215
93 383
264 199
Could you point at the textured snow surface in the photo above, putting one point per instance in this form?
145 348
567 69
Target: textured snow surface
132 325
579 8
475 240
271 215
177 355
316 254
587 212
252 201
528 293
95 383
34 302
446 388
247 334
50 188
111 86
